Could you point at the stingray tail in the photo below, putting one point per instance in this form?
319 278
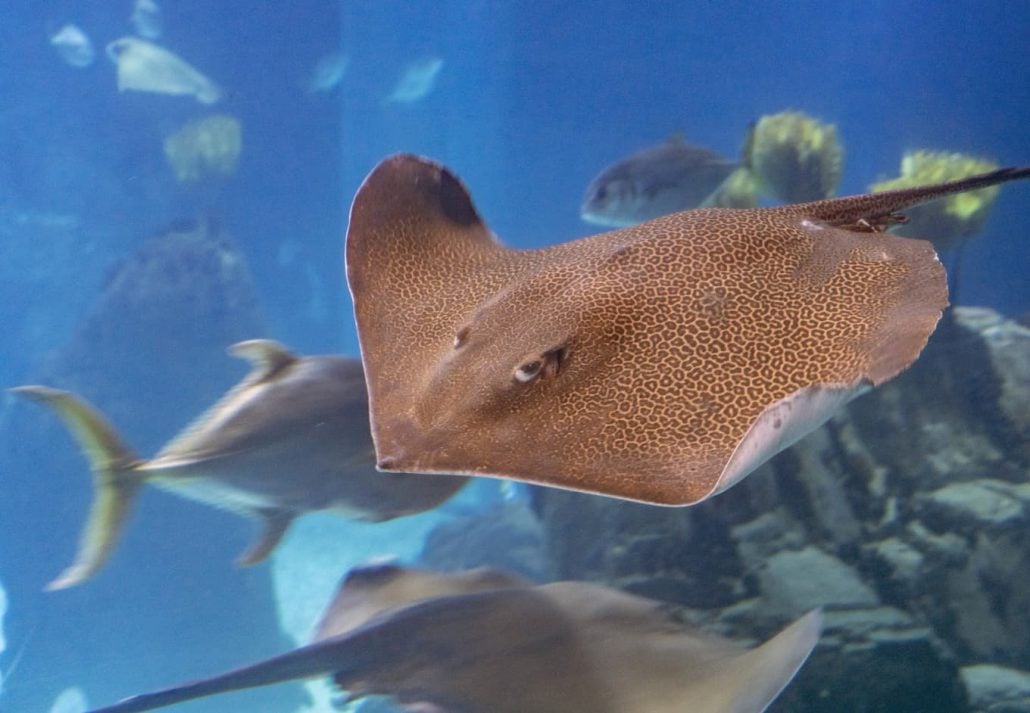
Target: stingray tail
115 480
318 659
880 210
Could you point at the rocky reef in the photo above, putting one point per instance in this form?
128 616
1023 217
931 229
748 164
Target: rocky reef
166 314
907 517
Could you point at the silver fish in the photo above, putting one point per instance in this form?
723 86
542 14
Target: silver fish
656 181
291 438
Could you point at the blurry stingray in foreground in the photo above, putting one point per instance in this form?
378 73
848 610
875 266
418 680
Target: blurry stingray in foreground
327 73
146 19
483 641
416 81
73 45
653 182
146 67
661 363
208 146
794 157
291 438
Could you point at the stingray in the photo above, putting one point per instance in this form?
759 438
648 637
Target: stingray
488 642
146 67
292 437
660 363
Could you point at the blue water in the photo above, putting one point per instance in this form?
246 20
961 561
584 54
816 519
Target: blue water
532 101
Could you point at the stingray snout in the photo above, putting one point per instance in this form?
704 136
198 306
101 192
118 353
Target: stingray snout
401 446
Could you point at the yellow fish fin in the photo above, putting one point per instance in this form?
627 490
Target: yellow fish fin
115 480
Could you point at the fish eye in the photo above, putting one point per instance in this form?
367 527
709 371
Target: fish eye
602 193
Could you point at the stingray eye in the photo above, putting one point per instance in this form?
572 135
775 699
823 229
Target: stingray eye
529 371
546 366
461 337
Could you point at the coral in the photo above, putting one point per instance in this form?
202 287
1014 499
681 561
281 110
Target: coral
794 157
206 146
947 220
739 190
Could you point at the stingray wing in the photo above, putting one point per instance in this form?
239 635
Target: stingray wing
367 592
691 348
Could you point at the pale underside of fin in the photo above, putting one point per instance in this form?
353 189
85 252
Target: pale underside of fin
768 668
782 425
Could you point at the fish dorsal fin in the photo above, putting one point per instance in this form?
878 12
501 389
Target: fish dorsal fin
878 211
267 357
269 360
676 139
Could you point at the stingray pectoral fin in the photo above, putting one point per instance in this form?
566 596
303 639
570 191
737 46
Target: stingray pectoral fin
275 522
781 425
115 480
754 679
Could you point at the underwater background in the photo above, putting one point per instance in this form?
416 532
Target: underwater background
527 102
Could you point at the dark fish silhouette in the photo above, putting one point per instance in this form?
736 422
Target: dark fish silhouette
660 363
487 642
656 181
291 438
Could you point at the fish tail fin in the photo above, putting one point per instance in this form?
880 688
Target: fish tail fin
115 480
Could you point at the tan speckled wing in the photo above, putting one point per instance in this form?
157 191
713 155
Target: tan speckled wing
635 363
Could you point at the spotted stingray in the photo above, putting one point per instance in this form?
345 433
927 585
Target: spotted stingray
660 363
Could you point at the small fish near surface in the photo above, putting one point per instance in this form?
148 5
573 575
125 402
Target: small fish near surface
146 19
484 641
656 181
417 81
73 45
327 73
146 67
289 439
661 363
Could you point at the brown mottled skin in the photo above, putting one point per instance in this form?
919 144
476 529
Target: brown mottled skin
483 641
630 363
